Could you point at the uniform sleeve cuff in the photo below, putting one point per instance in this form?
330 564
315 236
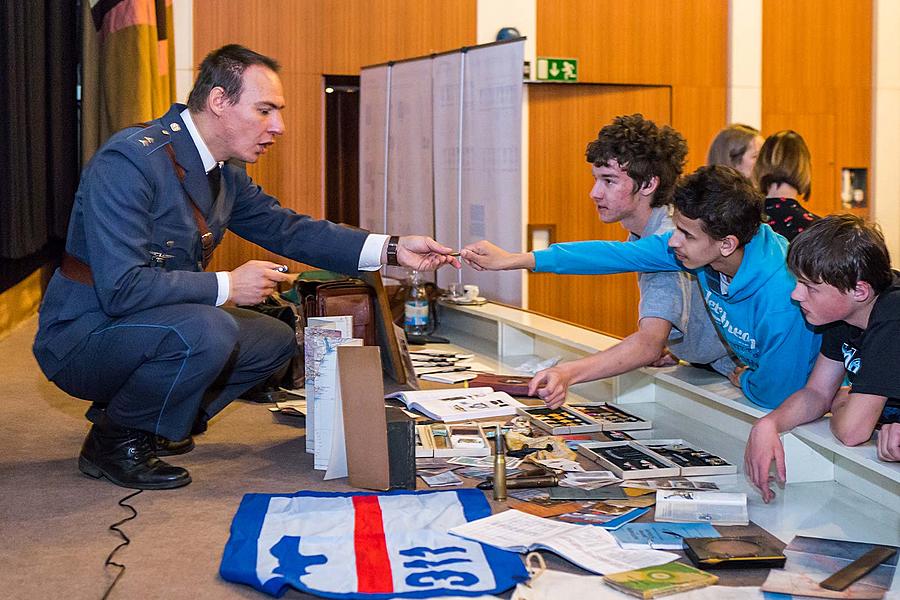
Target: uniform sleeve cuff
224 281
370 255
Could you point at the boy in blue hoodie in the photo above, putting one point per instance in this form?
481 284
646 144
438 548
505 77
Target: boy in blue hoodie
740 265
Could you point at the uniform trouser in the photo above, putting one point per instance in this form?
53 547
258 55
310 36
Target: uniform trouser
162 369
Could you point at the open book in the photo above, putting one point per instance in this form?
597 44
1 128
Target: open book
592 548
459 404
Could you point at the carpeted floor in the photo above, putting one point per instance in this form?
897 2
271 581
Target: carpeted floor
53 520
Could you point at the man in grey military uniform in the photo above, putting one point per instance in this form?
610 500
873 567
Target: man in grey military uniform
133 322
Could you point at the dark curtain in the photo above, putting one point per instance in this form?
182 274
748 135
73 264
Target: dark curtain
39 121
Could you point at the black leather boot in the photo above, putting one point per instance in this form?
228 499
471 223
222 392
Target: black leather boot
126 458
166 447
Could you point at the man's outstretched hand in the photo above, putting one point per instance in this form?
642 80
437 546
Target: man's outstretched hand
422 253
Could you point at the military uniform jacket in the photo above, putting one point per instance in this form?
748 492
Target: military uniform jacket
133 224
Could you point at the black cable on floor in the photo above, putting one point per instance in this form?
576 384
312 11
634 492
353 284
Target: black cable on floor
125 541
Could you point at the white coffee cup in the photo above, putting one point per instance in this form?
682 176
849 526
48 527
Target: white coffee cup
470 292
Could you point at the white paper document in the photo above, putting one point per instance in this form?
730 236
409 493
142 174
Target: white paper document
451 377
343 323
314 352
715 508
336 466
592 548
317 328
559 464
324 402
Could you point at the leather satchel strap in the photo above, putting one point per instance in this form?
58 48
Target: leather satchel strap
206 237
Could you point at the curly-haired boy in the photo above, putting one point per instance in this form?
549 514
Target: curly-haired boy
635 164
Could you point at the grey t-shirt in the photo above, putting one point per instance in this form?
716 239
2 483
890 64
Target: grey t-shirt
676 298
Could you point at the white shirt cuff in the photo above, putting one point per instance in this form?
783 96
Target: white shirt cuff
224 287
370 255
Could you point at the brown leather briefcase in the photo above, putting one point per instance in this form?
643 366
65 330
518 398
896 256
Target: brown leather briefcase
345 297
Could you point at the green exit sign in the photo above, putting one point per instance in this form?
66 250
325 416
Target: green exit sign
557 69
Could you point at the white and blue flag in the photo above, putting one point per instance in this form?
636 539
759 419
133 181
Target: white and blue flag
366 545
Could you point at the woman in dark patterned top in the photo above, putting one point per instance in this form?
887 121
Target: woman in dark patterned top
782 172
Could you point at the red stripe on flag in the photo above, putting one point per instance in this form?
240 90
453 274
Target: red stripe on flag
373 568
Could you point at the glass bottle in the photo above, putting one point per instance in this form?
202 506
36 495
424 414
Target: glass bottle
417 317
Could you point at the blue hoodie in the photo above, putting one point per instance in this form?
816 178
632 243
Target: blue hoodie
756 316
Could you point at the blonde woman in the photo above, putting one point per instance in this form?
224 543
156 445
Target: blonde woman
736 146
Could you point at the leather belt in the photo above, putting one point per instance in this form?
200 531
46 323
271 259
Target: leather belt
74 269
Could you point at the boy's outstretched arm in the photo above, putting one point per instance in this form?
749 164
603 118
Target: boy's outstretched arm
485 256
806 404
647 255
639 349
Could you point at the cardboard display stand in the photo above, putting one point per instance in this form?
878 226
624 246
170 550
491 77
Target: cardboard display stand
369 456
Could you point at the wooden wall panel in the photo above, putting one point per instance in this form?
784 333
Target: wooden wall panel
817 80
562 120
357 33
682 45
311 38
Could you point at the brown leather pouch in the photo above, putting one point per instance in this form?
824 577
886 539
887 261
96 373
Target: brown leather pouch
348 297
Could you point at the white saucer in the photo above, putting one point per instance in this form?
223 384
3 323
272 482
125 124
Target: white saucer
462 301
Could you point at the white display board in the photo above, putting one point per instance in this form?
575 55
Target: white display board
410 129
410 183
491 179
373 87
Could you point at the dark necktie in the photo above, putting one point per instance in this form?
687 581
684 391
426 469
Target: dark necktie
215 181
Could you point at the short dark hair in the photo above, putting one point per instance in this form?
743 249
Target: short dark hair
784 158
225 68
724 201
841 251
644 151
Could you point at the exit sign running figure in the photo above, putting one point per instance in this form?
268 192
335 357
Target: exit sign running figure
557 69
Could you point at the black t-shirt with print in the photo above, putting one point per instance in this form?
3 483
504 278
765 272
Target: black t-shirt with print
871 356
788 217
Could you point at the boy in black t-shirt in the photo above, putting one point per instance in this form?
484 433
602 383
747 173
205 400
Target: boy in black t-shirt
844 282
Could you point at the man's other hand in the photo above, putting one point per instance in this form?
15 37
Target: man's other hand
889 442
422 253
485 256
254 281
551 385
763 447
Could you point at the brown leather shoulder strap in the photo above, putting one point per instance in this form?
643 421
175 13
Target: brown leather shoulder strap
206 236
